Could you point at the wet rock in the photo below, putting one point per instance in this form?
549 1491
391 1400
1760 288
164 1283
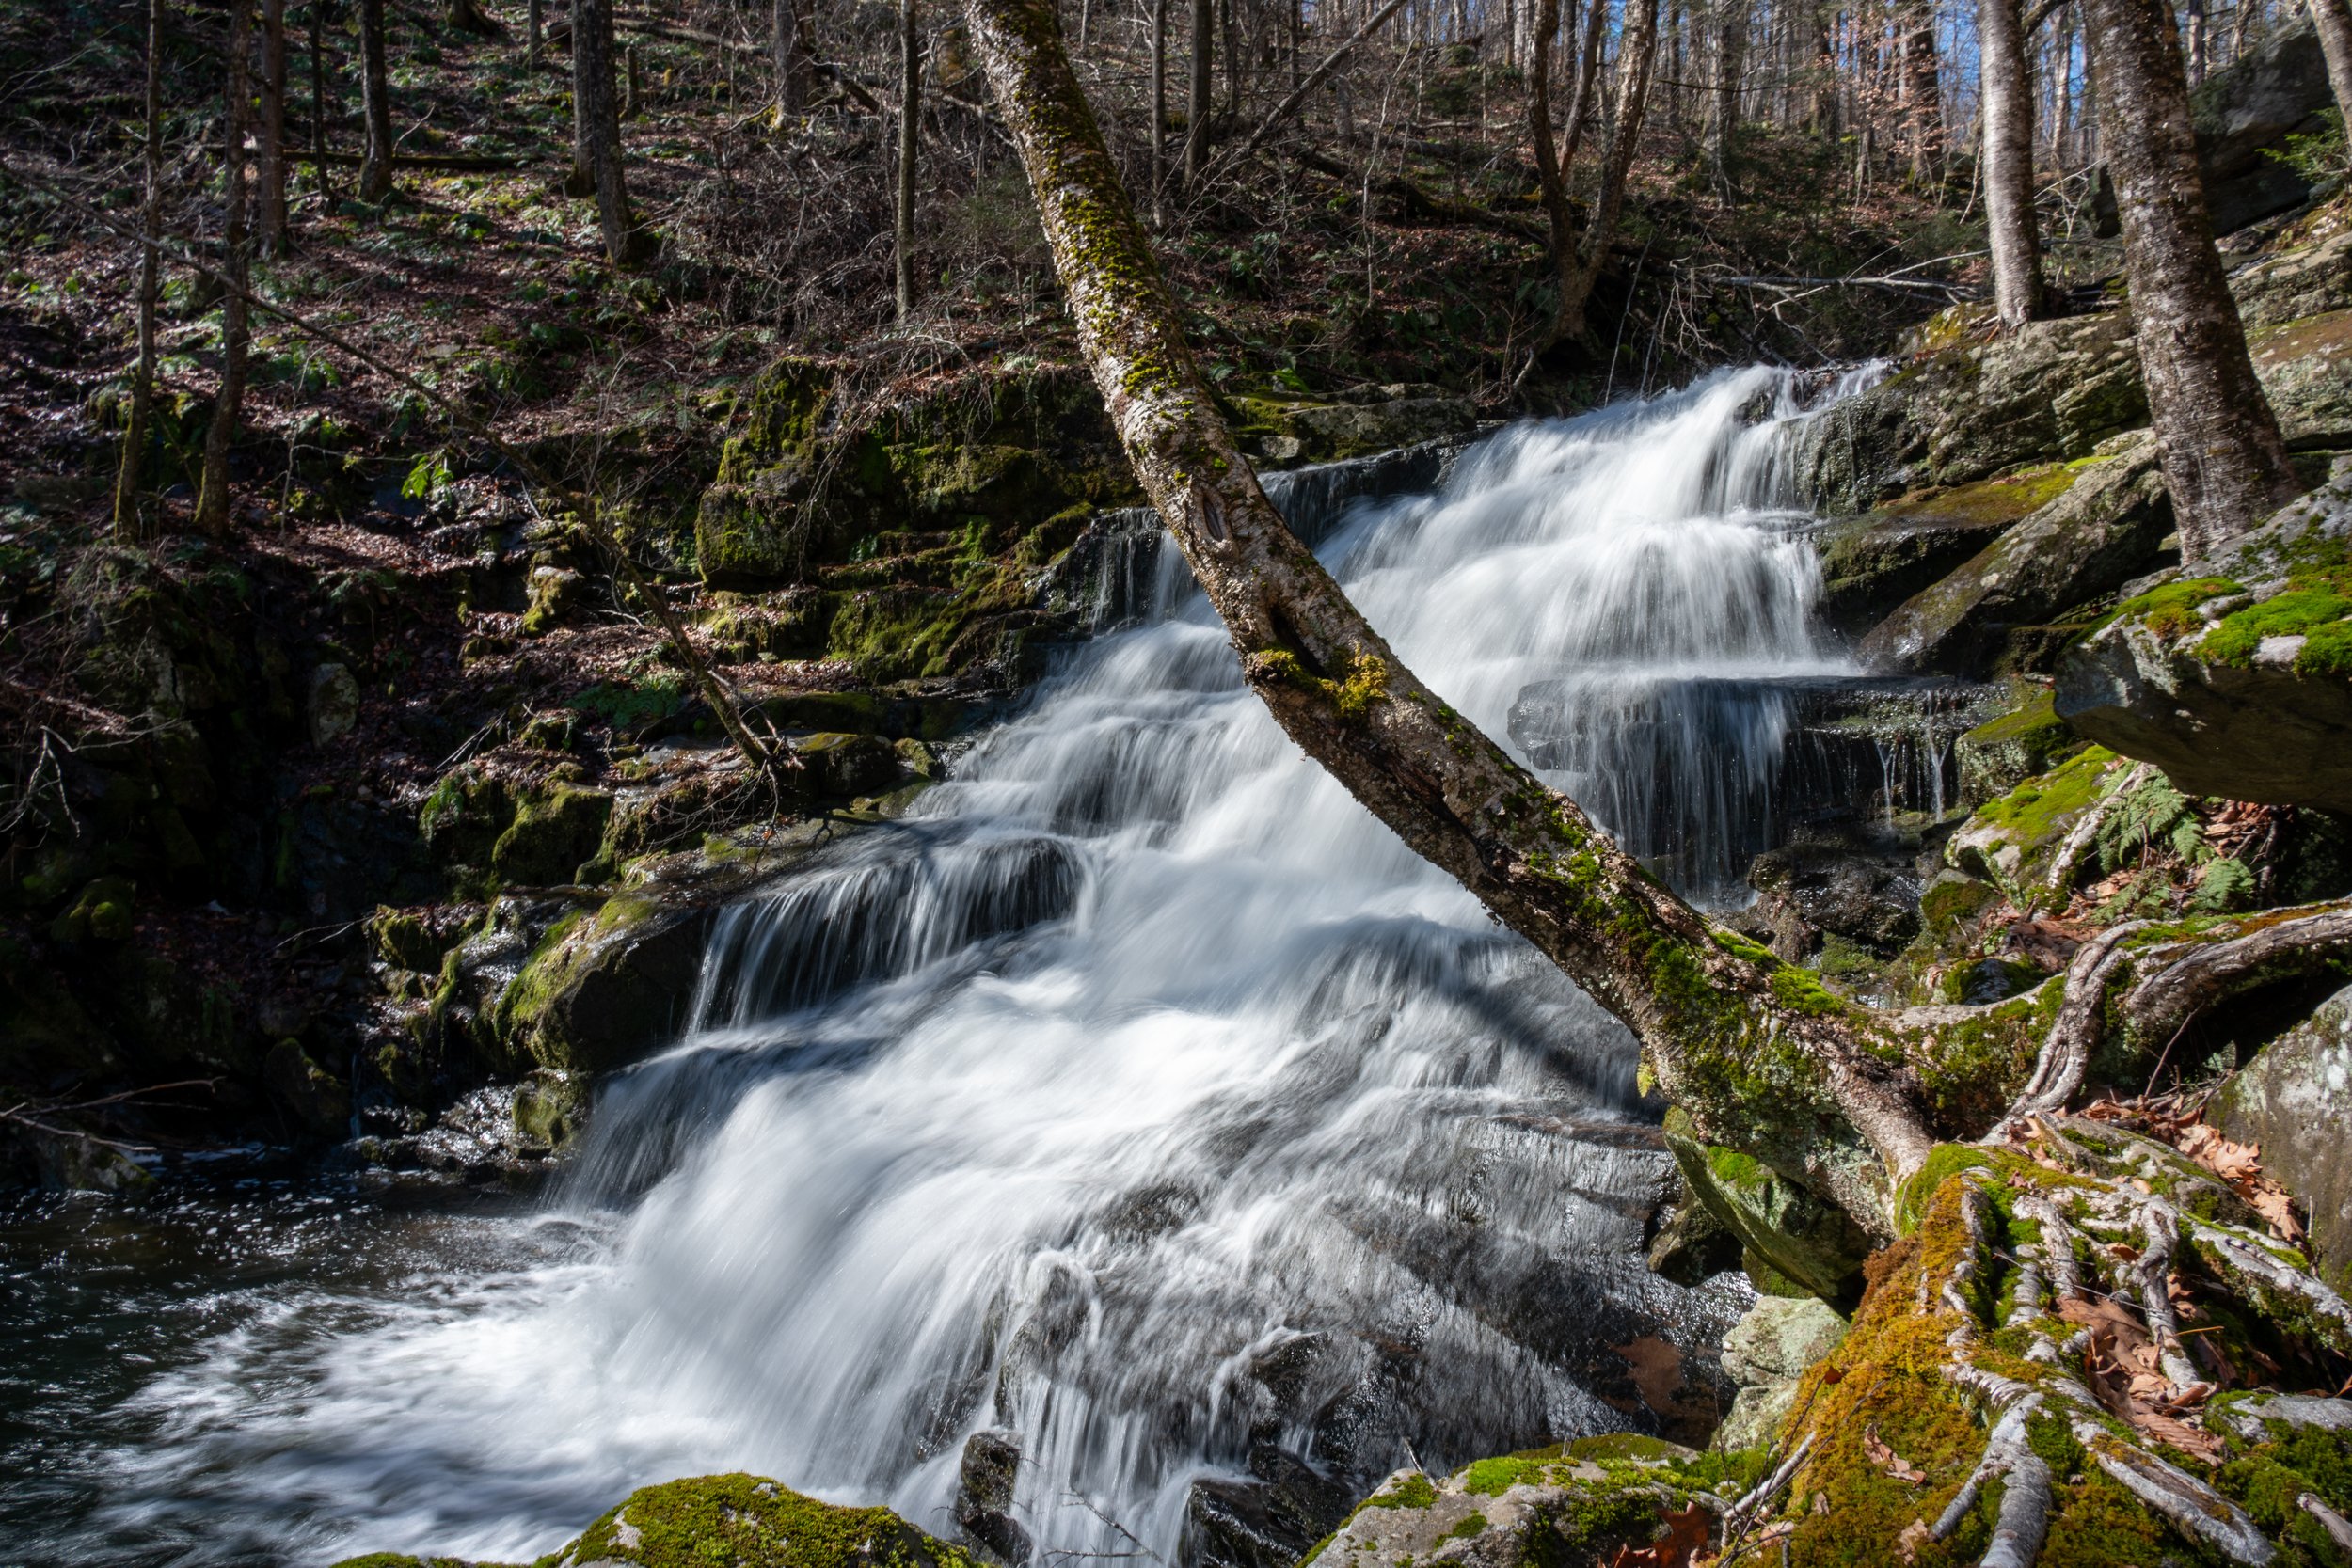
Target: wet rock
1873 562
1827 888
1694 1246
991 1459
605 986
551 1109
840 765
333 705
1809 1242
1994 612
2237 683
2293 1101
1766 1353
2001 753
1267 1522
315 1097
554 831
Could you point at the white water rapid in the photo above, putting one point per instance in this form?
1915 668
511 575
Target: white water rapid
1138 1094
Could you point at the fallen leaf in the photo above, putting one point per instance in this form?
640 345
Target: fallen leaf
2189 1439
1688 1532
2271 1202
1889 1459
1656 1370
1914 1536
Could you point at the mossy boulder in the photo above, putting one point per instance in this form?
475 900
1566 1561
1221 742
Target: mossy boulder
100 913
1996 611
605 988
554 830
315 1098
2236 681
2027 843
739 1521
1873 562
2293 1101
1281 427
1812 1243
2003 753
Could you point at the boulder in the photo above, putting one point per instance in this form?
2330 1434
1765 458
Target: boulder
2237 683
1873 562
2305 367
1829 888
2003 753
2249 109
2292 1102
2031 842
1766 1353
606 989
1282 429
984 1496
2104 530
2288 285
1807 1241
738 1519
334 702
315 1097
555 829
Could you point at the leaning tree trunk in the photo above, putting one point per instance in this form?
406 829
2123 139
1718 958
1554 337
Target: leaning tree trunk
213 511
2332 21
130 483
376 105
2224 460
269 142
2008 188
909 141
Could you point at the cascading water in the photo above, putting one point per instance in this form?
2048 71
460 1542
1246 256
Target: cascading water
1138 1093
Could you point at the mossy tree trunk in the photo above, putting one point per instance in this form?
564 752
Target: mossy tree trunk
1849 1103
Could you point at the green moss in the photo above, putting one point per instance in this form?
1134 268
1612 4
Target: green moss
1800 992
741 1521
1471 1525
1491 1477
2171 609
2040 809
1414 1490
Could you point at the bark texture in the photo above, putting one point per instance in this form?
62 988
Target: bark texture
1579 268
376 105
791 58
2224 461
2332 21
2008 94
212 498
1197 106
596 129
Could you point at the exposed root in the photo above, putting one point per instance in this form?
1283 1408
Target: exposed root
2074 1033
2055 1250
2203 975
2154 1273
2338 1530
2274 1286
2189 1505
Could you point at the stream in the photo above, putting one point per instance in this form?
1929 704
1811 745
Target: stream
1137 1094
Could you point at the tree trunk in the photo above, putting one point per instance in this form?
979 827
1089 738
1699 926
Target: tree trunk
465 16
909 128
2332 22
2008 188
1923 94
2194 27
791 66
1578 274
596 129
1196 106
2224 461
270 143
376 105
1731 61
1159 109
319 101
213 512
534 30
131 482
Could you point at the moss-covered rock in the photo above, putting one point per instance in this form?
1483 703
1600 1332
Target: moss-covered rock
100 913
1767 1352
2292 1102
737 1521
2237 682
554 830
2003 753
604 988
2027 843
1812 1243
1873 562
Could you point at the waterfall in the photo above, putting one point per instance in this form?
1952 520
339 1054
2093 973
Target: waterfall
1138 1094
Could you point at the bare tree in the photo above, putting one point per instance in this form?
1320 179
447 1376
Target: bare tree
1159 110
270 134
910 137
131 480
597 151
1731 63
1579 257
213 511
2224 460
319 101
376 105
2009 181
1197 109
791 56
534 30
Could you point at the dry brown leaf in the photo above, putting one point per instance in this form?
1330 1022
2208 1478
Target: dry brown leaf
1688 1532
1889 1459
2189 1439
2271 1202
1915 1535
1656 1370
